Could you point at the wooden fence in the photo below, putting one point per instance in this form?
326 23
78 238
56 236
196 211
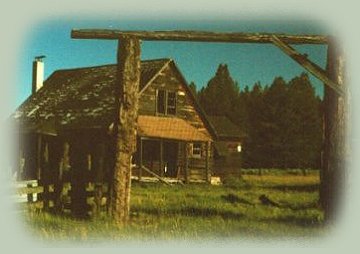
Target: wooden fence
91 201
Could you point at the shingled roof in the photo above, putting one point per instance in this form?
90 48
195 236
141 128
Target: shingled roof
78 98
225 129
169 128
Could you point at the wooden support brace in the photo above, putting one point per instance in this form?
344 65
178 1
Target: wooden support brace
155 175
313 68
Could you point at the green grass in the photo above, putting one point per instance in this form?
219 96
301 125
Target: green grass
201 211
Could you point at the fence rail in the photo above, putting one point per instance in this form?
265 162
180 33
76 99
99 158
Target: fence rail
57 197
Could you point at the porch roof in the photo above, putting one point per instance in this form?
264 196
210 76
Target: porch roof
169 128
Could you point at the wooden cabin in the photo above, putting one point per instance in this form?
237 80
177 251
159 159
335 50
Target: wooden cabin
66 126
227 146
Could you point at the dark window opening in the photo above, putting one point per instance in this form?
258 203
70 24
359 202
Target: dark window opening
171 103
166 102
161 98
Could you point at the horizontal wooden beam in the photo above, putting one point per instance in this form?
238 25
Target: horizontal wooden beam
203 36
155 175
313 68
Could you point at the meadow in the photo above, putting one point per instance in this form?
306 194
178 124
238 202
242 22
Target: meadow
276 204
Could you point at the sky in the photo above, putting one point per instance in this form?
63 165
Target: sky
198 61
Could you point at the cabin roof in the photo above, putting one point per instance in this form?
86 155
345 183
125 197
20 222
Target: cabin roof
81 97
225 129
169 128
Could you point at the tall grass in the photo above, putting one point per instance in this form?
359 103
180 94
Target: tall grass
198 211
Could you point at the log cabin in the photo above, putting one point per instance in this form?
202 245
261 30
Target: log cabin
65 127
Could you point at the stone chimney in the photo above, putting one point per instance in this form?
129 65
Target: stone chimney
38 74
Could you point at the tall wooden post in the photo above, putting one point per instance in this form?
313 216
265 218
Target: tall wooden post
161 158
140 158
45 174
128 79
38 156
207 154
186 171
78 161
334 153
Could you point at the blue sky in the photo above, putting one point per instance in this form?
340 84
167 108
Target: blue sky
248 63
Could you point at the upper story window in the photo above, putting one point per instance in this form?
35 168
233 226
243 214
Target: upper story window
166 102
171 103
161 101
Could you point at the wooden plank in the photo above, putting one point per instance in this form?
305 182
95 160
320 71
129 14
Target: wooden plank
313 68
155 175
30 190
205 36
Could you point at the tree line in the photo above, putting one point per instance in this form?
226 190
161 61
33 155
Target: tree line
282 122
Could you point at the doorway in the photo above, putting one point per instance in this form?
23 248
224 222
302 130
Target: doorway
171 149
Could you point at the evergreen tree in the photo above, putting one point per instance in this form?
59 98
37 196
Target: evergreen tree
253 147
274 124
192 87
220 94
305 123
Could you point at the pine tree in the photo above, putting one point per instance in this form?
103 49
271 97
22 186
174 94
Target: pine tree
274 124
192 87
220 94
306 127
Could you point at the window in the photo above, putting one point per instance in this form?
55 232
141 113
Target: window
166 102
196 150
161 99
171 103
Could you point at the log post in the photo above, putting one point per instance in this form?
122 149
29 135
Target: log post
140 158
78 161
99 168
161 158
38 156
186 171
45 174
335 120
57 152
128 79
207 154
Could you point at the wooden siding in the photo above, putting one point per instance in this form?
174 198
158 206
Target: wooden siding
169 79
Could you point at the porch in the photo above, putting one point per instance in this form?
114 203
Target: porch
172 148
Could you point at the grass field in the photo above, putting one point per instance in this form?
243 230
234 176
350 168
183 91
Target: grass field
200 211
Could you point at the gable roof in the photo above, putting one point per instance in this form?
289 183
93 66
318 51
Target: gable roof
78 98
225 129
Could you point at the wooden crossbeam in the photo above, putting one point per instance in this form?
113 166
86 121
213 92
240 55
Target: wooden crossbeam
155 175
313 68
204 36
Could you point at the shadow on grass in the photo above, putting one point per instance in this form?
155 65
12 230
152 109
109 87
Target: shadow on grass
297 188
234 199
298 221
191 212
